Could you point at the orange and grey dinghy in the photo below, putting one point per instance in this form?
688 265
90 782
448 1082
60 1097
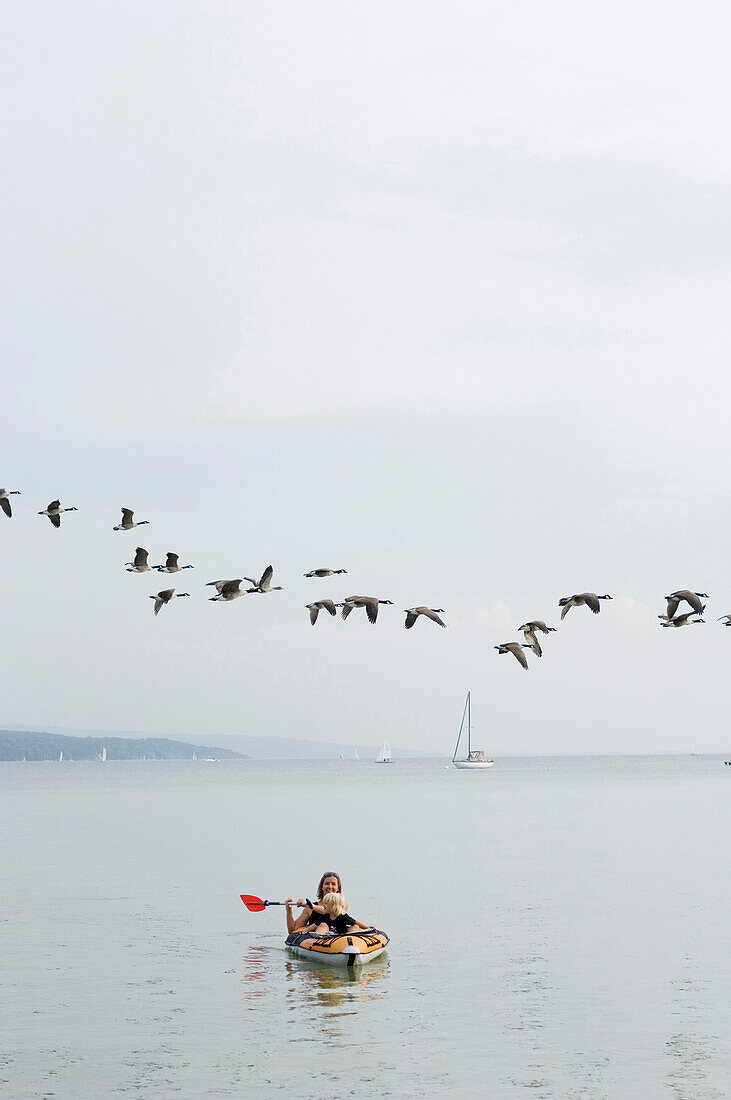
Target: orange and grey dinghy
333 949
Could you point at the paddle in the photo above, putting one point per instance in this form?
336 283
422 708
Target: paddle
258 905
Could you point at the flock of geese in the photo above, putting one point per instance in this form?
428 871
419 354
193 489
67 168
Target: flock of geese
228 590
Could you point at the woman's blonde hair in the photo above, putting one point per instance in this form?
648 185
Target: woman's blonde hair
328 874
336 904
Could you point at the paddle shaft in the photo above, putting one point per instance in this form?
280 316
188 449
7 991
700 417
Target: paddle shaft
287 903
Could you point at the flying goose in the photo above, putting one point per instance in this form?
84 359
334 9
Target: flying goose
171 564
5 503
264 584
324 572
691 598
588 599
128 522
516 648
727 618
681 620
54 510
529 633
413 613
320 605
139 565
227 590
165 597
370 603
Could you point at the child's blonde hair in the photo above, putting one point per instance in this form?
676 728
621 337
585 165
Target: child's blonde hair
335 904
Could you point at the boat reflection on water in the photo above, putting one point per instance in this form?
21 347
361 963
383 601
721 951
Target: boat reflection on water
331 988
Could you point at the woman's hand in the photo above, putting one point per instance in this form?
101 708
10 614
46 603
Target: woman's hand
301 903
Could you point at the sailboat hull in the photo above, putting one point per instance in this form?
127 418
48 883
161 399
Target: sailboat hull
473 765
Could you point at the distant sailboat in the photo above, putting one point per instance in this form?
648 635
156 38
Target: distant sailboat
60 757
103 756
475 757
385 755
195 756
356 755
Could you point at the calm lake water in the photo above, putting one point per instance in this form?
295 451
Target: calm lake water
559 928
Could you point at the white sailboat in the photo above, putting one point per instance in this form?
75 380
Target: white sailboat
103 756
356 755
475 758
385 754
60 757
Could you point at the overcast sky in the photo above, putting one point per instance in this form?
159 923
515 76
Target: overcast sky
437 293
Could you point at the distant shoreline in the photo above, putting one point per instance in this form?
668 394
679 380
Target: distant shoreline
19 745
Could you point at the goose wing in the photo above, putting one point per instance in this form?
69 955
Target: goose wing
328 605
517 650
371 606
430 614
140 556
171 560
695 603
672 606
5 505
228 587
55 519
314 612
591 600
411 617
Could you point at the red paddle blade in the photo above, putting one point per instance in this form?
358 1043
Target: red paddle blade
254 905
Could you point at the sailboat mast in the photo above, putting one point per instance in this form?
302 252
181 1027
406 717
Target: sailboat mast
469 725
461 726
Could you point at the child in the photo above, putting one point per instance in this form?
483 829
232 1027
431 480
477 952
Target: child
331 915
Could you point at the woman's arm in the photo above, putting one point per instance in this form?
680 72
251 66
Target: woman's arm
294 924
298 923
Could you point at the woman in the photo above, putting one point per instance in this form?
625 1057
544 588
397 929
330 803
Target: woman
329 884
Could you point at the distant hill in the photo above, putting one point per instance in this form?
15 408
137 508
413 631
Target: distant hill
20 744
220 745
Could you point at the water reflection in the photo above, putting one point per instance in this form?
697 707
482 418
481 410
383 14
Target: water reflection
254 974
333 993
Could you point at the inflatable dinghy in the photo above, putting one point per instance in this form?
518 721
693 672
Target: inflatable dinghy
334 949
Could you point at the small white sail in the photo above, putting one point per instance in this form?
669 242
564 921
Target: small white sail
195 756
385 754
356 755
104 753
60 757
